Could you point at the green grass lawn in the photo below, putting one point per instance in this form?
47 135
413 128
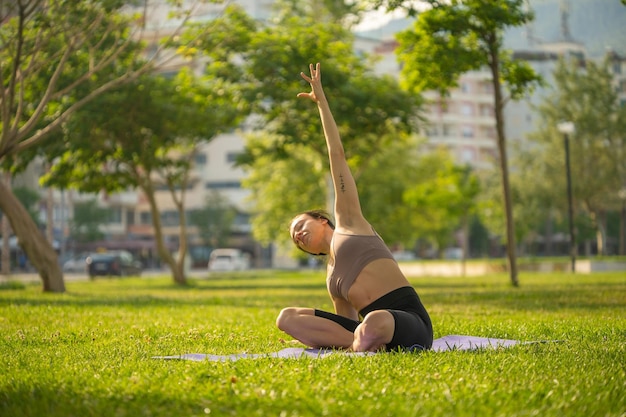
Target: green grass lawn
89 352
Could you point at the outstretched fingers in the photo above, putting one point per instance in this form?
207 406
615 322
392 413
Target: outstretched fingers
314 78
315 73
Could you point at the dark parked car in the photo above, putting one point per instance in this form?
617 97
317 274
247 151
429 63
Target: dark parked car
118 263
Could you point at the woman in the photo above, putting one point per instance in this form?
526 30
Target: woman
362 276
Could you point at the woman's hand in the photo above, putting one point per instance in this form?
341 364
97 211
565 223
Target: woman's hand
317 92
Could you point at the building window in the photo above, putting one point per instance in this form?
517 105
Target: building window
170 218
116 215
200 159
489 132
467 109
448 130
220 185
431 130
465 87
177 187
617 67
468 155
468 132
232 157
486 110
145 217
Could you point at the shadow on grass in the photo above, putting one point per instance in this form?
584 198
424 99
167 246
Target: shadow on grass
54 400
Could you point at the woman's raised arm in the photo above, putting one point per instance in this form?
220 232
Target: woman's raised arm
348 213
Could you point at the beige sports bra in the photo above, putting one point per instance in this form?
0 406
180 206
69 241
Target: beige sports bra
352 253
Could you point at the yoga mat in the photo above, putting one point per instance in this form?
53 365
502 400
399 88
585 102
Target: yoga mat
443 344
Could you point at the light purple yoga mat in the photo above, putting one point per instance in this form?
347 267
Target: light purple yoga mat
446 343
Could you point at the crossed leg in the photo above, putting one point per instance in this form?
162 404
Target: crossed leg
312 330
376 330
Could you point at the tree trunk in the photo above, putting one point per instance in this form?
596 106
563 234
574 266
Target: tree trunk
6 231
600 223
504 169
180 275
164 254
464 245
6 247
39 251
182 247
622 229
549 234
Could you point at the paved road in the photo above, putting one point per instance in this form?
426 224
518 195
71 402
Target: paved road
77 276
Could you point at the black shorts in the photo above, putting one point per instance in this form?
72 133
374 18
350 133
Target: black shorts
413 328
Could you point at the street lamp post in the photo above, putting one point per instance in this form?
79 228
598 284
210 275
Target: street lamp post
566 128
622 232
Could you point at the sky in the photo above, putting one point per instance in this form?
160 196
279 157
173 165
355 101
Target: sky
378 18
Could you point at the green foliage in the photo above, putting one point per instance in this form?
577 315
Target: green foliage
89 352
143 129
383 181
344 12
452 38
54 55
478 238
214 221
372 113
271 59
411 7
282 188
532 209
441 198
587 98
219 42
87 219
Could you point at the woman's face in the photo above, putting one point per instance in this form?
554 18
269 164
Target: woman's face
308 233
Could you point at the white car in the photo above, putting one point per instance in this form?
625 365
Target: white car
228 260
77 264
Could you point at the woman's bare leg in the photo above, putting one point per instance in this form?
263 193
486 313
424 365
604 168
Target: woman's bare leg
313 331
375 332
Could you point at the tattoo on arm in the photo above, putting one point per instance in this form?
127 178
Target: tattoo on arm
342 185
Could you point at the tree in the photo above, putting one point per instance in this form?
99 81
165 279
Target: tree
586 97
278 194
144 136
454 37
531 206
271 181
346 13
372 113
214 221
87 219
382 190
441 199
56 57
